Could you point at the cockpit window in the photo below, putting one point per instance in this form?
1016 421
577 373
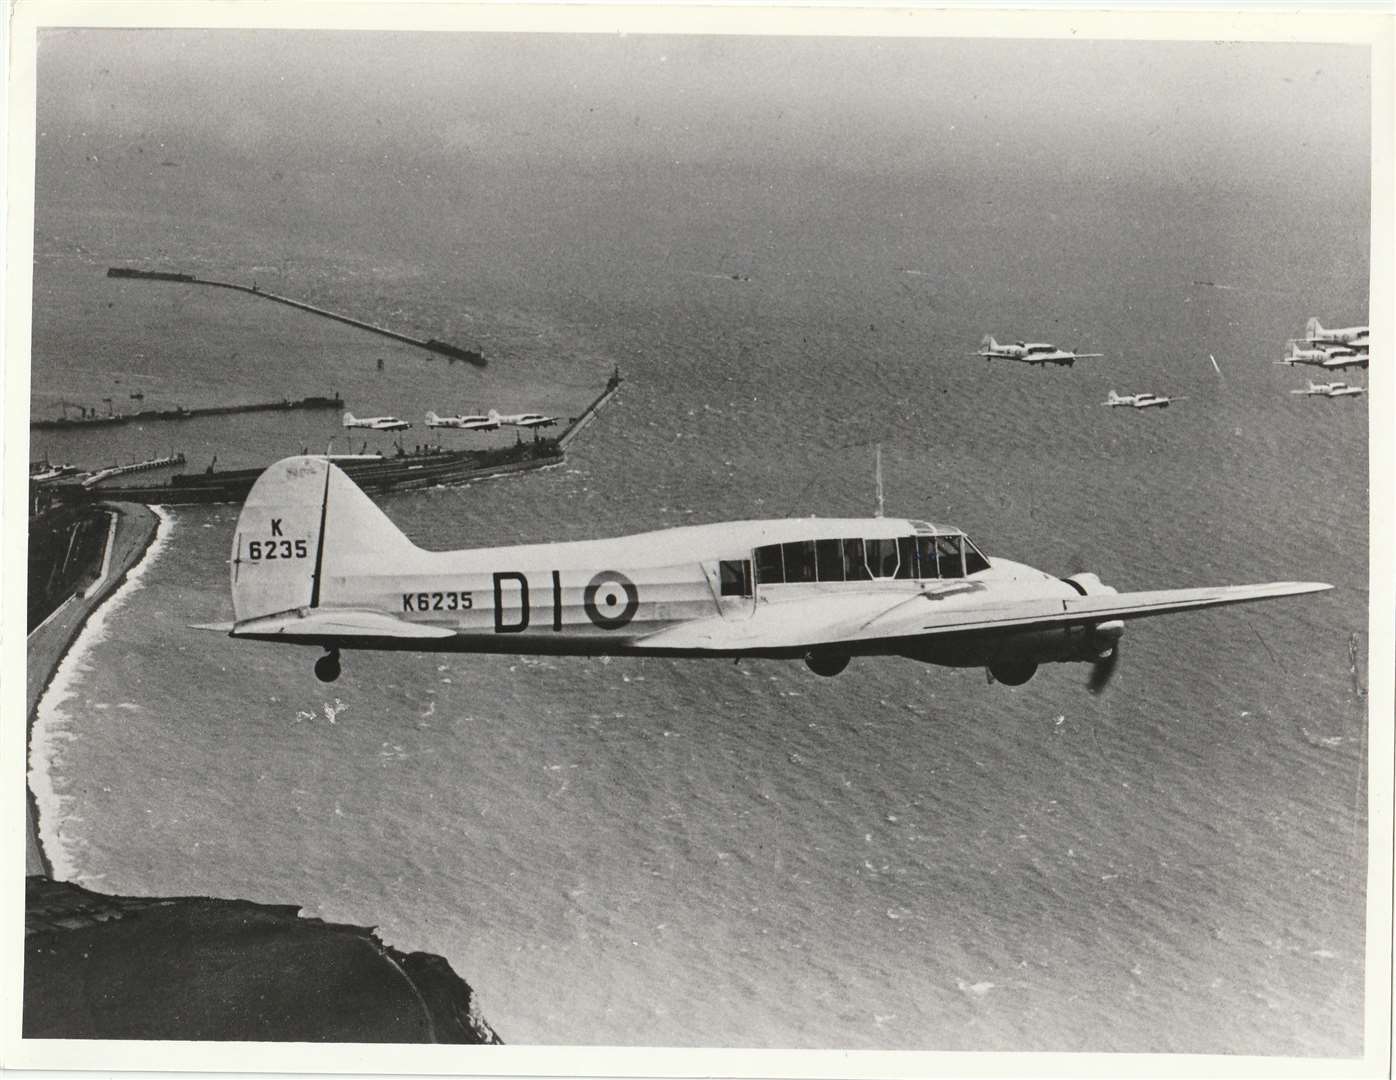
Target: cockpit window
854 568
828 558
974 559
906 557
926 557
948 556
882 557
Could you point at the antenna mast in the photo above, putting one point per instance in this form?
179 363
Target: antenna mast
878 472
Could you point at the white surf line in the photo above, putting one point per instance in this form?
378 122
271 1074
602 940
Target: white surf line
106 555
50 729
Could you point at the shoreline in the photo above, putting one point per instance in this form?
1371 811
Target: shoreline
50 643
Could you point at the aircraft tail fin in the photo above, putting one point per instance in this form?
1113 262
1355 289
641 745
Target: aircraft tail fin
1113 398
988 342
1313 329
432 418
305 531
349 420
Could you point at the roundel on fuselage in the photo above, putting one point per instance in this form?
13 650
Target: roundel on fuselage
610 600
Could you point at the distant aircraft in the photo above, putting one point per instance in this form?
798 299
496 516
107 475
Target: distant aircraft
1030 352
523 420
465 423
315 562
1331 357
1335 389
1316 334
377 423
1141 401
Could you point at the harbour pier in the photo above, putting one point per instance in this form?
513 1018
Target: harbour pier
433 345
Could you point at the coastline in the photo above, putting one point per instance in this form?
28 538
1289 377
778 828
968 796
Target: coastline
48 645
105 966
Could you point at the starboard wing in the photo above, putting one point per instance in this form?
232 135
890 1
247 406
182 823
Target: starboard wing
861 618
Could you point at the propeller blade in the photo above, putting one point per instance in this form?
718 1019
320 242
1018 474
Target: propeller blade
1103 670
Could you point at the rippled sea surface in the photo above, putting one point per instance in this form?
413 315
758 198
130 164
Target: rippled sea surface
682 852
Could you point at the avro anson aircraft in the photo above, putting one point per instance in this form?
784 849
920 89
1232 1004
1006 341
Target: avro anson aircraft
1335 389
1356 336
1330 357
1030 352
377 423
523 420
315 562
1141 401
464 423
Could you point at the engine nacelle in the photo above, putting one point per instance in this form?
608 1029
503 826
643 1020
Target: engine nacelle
825 663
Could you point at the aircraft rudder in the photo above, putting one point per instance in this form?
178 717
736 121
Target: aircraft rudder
303 521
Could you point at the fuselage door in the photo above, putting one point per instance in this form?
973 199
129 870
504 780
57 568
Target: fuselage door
733 587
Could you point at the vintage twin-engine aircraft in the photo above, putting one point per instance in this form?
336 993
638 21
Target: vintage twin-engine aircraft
523 420
377 423
315 562
1334 389
1332 357
464 423
1030 352
1315 333
1141 401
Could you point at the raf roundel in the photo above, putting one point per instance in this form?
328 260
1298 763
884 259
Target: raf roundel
610 600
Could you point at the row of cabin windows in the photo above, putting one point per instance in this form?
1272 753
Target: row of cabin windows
853 559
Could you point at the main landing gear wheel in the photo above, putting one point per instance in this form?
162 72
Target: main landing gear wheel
1012 671
327 667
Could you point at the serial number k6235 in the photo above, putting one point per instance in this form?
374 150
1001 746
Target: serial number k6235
436 601
258 550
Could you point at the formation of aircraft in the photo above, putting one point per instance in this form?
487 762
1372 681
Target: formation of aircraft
1141 401
1030 352
1335 389
1329 356
316 563
464 423
376 423
523 420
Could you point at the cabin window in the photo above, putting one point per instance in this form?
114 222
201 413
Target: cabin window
799 561
854 569
735 577
769 569
926 557
906 556
948 549
828 558
882 557
974 559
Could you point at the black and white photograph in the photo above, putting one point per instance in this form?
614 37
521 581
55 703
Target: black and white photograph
848 534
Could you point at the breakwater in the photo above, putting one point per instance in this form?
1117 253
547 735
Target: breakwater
433 345
376 475
134 467
334 401
579 424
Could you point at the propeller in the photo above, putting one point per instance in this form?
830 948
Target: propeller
1103 670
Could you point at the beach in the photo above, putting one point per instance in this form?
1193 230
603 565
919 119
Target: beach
133 530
